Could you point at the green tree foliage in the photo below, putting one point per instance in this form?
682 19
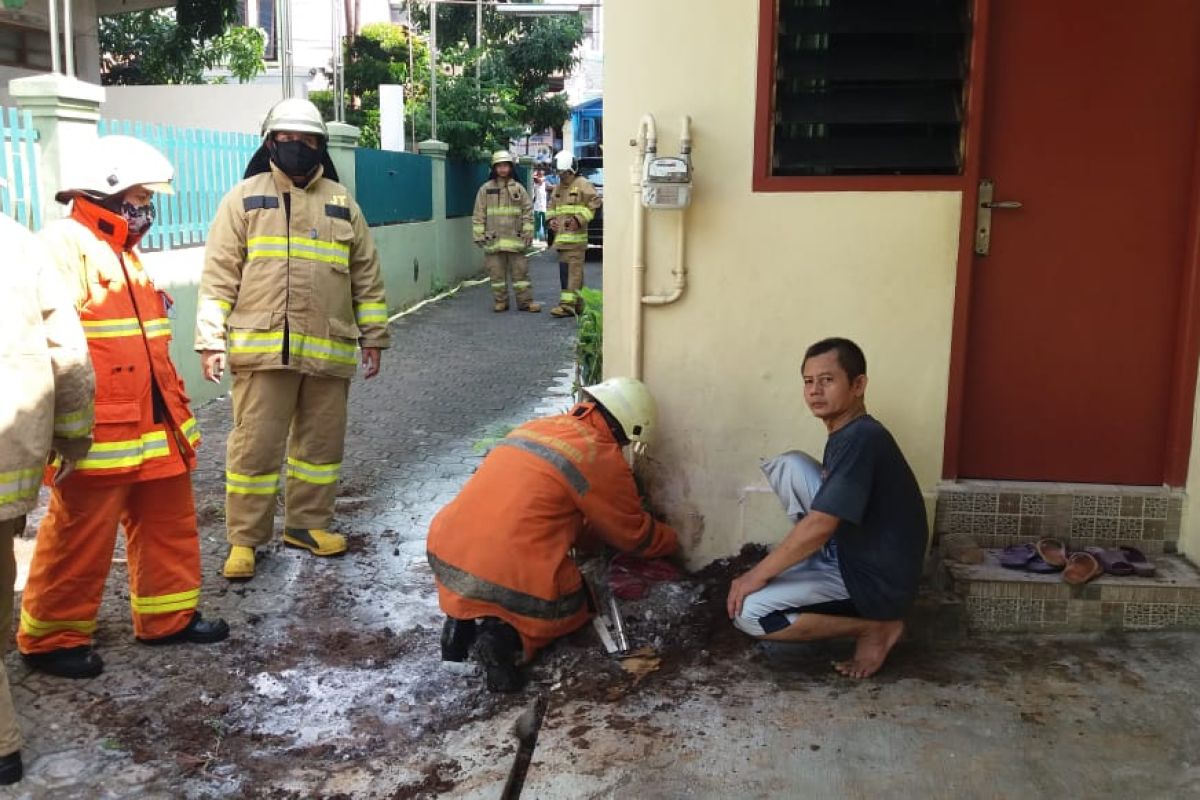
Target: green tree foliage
178 45
516 61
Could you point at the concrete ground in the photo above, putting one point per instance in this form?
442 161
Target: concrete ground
331 684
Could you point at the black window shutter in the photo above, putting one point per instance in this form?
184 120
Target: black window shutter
870 87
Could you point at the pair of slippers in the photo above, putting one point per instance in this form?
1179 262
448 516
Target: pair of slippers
1050 555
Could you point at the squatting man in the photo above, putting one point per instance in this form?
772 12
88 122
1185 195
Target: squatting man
850 566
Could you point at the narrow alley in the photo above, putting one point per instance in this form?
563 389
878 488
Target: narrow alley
331 685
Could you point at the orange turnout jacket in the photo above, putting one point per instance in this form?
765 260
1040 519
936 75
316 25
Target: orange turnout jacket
144 426
500 549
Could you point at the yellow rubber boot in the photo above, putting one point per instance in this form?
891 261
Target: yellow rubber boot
240 564
315 541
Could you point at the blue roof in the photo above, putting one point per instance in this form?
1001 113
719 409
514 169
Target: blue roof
587 105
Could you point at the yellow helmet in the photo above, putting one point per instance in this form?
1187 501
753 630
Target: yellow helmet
296 116
500 156
115 164
630 403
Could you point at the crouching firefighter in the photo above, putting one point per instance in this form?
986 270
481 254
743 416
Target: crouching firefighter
291 290
500 551
136 472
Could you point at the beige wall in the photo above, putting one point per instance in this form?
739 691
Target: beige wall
1189 534
769 274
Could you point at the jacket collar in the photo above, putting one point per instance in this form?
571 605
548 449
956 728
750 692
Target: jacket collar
283 183
111 228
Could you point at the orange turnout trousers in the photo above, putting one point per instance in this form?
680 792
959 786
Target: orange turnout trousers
74 552
501 548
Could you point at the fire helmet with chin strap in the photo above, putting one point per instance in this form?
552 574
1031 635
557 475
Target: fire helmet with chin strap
630 403
114 165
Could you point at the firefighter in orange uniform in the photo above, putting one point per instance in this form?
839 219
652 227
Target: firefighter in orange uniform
500 550
137 470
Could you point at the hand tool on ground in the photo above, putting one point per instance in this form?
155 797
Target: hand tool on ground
526 730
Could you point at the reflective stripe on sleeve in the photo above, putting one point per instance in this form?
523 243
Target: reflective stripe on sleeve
190 431
568 470
18 485
371 313
76 424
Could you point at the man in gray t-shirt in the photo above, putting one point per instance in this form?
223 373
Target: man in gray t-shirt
850 566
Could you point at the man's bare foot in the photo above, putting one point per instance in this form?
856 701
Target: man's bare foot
871 649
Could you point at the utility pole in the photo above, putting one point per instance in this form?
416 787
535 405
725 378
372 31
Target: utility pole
478 40
432 69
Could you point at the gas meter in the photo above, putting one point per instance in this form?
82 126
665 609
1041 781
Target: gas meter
667 182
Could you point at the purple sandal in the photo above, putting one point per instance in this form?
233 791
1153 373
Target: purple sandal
1112 559
1142 566
1017 556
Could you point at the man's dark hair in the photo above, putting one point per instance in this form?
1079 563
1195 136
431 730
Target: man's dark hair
849 355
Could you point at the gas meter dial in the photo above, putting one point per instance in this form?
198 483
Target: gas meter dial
667 183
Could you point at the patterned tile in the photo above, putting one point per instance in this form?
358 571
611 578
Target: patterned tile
1131 527
1108 506
960 523
1106 528
1083 505
1131 506
984 502
1033 504
1030 527
1082 527
1112 615
1188 616
1149 616
1007 525
1155 508
955 501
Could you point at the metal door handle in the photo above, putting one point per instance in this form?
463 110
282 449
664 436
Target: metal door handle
983 215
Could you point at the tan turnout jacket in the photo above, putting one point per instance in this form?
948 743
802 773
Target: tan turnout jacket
48 383
291 279
503 216
577 199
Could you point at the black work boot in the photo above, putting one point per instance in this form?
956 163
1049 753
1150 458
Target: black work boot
67 662
498 647
457 637
197 631
11 769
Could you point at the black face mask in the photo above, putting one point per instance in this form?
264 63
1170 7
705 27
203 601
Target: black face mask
296 159
138 218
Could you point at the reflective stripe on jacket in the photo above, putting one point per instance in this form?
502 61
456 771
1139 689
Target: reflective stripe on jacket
44 369
144 425
503 216
500 548
298 296
579 200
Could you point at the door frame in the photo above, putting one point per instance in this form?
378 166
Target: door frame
1186 359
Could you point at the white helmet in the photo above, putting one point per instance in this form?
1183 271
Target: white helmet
565 161
630 403
118 163
500 156
294 115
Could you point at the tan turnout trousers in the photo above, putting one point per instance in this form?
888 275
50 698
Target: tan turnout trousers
10 734
570 296
503 265
274 409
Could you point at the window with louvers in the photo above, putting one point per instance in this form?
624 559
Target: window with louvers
870 87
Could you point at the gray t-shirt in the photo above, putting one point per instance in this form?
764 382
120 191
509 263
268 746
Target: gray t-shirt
870 488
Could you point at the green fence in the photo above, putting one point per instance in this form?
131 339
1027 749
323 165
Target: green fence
463 180
393 187
207 165
21 198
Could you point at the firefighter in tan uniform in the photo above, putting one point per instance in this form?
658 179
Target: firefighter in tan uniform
572 206
502 225
42 351
291 290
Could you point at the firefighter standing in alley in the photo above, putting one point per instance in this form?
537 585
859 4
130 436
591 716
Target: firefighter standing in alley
291 289
572 206
502 224
136 472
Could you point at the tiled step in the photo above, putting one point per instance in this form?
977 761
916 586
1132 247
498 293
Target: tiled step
999 599
1000 513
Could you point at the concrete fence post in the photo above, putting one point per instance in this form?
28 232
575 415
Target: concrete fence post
343 141
437 152
65 111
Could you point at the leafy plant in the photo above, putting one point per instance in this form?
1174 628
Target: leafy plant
589 348
491 436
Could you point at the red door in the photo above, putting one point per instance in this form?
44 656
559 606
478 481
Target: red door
1090 115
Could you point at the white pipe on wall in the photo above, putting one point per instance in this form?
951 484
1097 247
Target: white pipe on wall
680 269
68 39
54 60
647 145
